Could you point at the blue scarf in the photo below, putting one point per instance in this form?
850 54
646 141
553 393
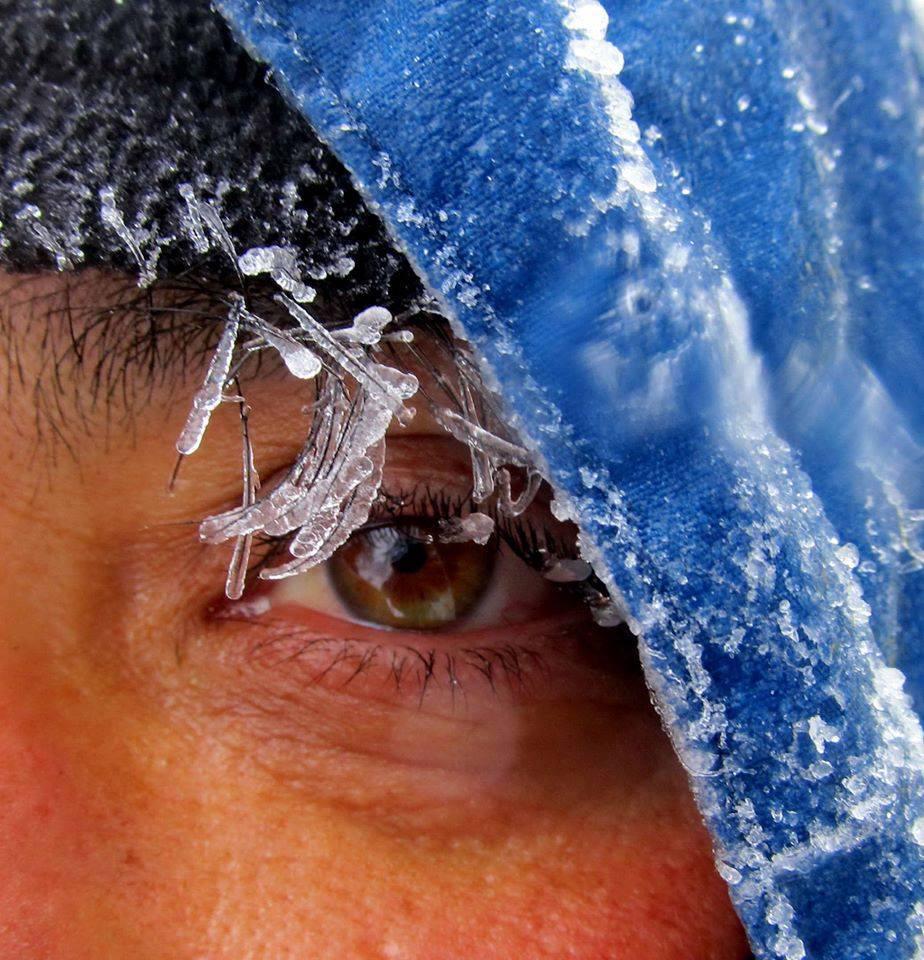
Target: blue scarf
689 245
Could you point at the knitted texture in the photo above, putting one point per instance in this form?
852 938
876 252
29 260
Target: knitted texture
133 100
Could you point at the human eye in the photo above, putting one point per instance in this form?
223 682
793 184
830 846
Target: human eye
401 557
410 611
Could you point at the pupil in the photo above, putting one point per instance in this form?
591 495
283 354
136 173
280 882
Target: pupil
408 556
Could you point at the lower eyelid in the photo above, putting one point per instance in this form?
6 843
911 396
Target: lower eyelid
447 673
407 671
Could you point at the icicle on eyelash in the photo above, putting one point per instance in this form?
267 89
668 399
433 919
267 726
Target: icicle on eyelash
299 360
477 527
513 508
331 487
250 483
333 484
310 549
210 394
389 386
482 473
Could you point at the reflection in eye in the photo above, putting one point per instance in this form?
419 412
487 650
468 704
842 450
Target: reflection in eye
396 574
400 575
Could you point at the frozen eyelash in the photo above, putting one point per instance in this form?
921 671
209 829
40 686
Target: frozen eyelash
331 487
428 508
334 483
531 540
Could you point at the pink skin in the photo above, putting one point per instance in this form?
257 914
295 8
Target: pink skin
175 788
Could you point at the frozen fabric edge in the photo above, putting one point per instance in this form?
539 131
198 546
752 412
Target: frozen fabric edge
851 833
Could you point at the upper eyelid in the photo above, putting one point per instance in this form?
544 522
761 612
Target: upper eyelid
524 535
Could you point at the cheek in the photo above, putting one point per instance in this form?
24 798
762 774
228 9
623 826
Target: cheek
43 820
603 877
73 825
109 851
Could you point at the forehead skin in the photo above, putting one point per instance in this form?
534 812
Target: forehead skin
167 796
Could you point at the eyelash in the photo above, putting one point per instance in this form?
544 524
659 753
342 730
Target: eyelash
503 665
529 539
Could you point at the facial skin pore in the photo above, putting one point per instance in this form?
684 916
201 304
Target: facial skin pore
177 787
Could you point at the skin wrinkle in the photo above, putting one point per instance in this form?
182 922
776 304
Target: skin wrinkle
197 803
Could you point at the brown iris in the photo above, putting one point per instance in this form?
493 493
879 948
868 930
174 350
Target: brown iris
401 576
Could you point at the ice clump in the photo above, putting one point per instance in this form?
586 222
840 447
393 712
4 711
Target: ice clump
330 488
476 527
367 326
281 264
597 56
588 18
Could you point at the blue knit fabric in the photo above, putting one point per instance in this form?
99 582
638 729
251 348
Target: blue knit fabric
705 310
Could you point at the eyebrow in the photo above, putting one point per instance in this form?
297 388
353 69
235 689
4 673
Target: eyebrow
105 345
79 343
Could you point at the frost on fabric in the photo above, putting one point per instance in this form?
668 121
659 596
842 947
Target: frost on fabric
590 52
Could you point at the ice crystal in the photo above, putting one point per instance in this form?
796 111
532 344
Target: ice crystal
475 527
209 395
133 239
193 221
217 230
391 387
514 507
367 326
281 264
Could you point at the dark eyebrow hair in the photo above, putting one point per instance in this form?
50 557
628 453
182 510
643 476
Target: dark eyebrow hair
106 347
78 344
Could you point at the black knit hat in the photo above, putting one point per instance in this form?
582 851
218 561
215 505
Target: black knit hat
112 110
